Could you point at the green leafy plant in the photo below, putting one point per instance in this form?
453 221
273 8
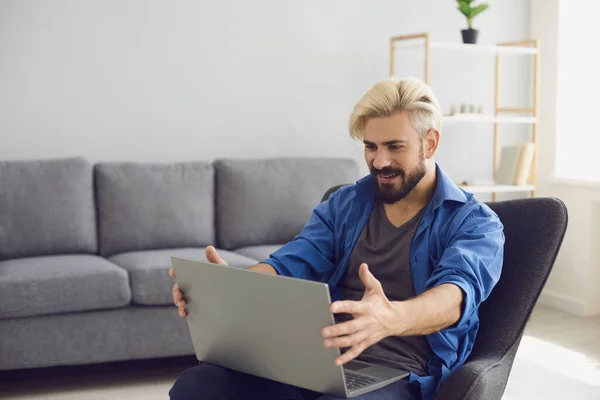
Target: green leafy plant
470 11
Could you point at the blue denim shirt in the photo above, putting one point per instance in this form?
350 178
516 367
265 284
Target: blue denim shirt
459 240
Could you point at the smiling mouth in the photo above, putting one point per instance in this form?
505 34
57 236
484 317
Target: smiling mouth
387 177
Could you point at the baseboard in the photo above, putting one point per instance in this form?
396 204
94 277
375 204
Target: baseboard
564 303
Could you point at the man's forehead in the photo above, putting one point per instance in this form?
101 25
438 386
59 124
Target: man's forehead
383 129
382 136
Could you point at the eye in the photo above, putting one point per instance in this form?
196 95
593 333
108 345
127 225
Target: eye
395 147
370 147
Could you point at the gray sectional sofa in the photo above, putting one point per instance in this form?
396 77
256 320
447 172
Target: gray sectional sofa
85 249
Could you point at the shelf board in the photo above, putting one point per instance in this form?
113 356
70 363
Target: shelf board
486 48
489 118
482 48
497 188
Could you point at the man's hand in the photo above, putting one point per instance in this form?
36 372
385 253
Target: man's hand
213 257
374 319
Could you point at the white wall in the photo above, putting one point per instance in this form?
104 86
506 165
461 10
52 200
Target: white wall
158 80
573 284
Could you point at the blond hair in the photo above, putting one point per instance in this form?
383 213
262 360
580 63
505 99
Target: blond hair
395 95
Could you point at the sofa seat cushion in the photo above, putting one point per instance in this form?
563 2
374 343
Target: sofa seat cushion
60 284
259 253
149 271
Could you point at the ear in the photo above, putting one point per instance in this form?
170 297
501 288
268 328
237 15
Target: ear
430 143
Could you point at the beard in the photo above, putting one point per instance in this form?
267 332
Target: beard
387 193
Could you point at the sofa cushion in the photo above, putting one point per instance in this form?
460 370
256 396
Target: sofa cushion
259 253
269 201
59 284
149 271
154 206
46 207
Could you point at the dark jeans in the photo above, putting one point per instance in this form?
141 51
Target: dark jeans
209 382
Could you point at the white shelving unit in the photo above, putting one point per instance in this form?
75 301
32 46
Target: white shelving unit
526 47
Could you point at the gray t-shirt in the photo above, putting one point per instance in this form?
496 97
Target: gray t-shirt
386 249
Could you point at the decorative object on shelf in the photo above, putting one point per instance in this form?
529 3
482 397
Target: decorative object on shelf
470 11
515 164
465 109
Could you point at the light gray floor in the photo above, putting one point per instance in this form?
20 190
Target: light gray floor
147 380
559 358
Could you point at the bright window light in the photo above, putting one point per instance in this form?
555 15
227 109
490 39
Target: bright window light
578 91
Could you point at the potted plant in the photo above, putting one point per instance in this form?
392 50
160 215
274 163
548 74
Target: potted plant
470 11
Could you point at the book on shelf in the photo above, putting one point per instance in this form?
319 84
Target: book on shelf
515 164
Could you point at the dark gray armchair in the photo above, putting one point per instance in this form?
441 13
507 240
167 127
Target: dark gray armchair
534 231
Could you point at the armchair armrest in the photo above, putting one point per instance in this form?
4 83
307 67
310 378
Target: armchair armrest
479 378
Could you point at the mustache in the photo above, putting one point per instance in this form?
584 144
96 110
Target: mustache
387 171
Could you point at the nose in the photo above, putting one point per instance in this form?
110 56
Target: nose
381 160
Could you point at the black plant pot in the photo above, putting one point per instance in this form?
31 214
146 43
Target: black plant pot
470 35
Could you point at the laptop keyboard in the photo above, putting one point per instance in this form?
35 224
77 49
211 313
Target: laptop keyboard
356 381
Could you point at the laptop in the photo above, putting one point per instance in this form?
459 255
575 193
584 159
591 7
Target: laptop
270 326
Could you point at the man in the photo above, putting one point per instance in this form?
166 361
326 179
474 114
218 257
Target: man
409 254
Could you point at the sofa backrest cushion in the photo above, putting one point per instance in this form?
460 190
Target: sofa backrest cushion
269 201
46 207
154 206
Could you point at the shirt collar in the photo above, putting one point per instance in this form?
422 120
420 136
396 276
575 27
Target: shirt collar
446 190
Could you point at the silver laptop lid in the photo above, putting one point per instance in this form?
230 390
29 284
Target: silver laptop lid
264 325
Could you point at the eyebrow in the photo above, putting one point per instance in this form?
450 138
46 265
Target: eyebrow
388 143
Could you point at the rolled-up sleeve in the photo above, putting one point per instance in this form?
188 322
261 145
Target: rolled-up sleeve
311 255
472 259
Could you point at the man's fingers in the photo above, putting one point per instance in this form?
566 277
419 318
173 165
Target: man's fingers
345 341
172 272
368 279
345 328
351 354
175 291
347 307
179 302
213 257
178 299
177 296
